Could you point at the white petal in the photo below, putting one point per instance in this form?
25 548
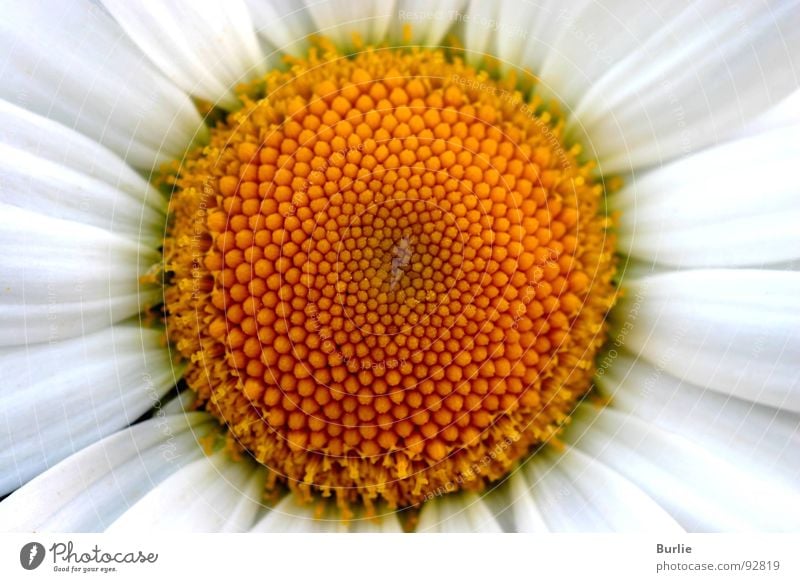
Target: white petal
289 516
72 63
763 239
571 492
284 24
457 513
212 494
699 78
740 431
519 30
534 30
785 113
567 46
563 507
51 189
49 140
181 403
248 506
206 47
514 506
702 492
735 331
90 489
385 521
591 37
63 396
61 279
478 28
429 22
339 19
382 14
732 205
633 268
621 505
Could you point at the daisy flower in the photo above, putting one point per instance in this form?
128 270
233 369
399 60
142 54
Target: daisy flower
400 266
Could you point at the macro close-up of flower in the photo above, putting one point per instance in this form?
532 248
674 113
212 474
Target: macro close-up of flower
400 266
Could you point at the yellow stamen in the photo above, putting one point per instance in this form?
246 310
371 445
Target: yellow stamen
389 275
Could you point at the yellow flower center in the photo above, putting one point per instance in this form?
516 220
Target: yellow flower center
389 276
